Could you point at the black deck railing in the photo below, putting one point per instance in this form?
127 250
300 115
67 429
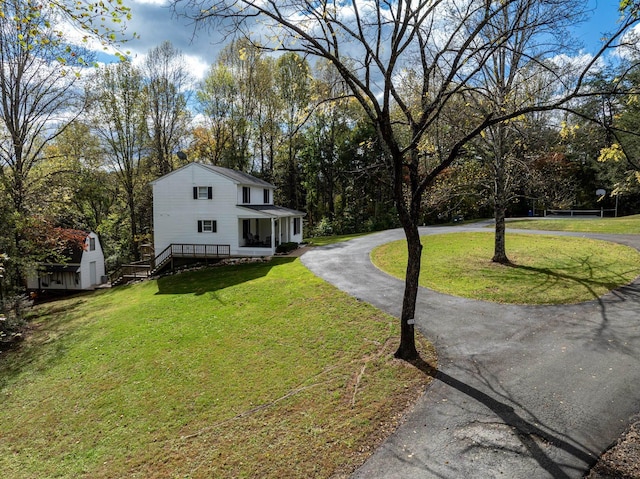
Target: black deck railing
181 250
141 270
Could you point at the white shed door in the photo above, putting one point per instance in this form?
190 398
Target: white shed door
92 273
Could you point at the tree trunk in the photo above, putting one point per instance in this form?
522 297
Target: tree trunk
407 349
500 250
135 252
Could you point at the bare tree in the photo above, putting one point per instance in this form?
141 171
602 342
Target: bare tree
167 83
119 114
372 45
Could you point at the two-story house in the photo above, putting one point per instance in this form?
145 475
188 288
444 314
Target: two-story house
230 211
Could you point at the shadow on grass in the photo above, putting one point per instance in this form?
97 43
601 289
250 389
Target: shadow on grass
585 276
49 331
528 431
217 278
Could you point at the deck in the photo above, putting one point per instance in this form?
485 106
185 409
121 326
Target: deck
145 269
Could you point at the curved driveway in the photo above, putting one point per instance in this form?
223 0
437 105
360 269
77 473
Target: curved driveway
521 391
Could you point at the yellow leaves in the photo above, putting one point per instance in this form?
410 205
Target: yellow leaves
611 153
567 132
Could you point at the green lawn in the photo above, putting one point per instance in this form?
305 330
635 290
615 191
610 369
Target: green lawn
622 225
257 370
545 269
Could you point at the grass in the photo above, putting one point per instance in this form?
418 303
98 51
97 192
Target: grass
257 370
545 269
622 225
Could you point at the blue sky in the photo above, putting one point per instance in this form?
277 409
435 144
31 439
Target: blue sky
603 20
154 22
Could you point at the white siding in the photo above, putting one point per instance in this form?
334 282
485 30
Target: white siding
176 213
256 195
89 256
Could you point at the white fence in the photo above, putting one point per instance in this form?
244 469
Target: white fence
601 212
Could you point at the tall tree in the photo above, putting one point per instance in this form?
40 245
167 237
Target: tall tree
89 192
327 136
371 45
119 119
293 86
269 106
167 83
533 32
215 98
243 60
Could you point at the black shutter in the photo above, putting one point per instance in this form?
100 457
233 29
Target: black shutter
195 192
214 226
210 192
199 226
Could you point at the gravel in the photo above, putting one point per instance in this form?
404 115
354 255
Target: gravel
622 461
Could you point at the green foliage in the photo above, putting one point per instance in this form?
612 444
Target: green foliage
13 312
286 247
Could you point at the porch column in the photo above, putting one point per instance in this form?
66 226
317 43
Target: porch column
273 235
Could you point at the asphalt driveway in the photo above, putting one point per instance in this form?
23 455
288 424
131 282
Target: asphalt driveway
521 391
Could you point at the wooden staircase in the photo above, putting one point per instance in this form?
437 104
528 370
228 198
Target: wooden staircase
130 272
145 269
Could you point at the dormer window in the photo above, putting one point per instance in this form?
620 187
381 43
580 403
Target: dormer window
202 192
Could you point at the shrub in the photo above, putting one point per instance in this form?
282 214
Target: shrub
12 313
286 247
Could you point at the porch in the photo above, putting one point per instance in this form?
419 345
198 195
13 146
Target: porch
267 227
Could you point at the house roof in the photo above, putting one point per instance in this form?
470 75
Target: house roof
272 210
239 177
236 176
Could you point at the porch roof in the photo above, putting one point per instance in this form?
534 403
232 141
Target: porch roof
274 211
59 268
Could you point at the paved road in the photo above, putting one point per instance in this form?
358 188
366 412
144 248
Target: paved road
521 391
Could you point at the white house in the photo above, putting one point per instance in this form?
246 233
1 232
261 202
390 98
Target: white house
83 269
227 210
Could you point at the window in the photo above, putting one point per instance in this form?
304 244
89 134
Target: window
246 194
296 226
202 192
207 226
265 195
92 244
